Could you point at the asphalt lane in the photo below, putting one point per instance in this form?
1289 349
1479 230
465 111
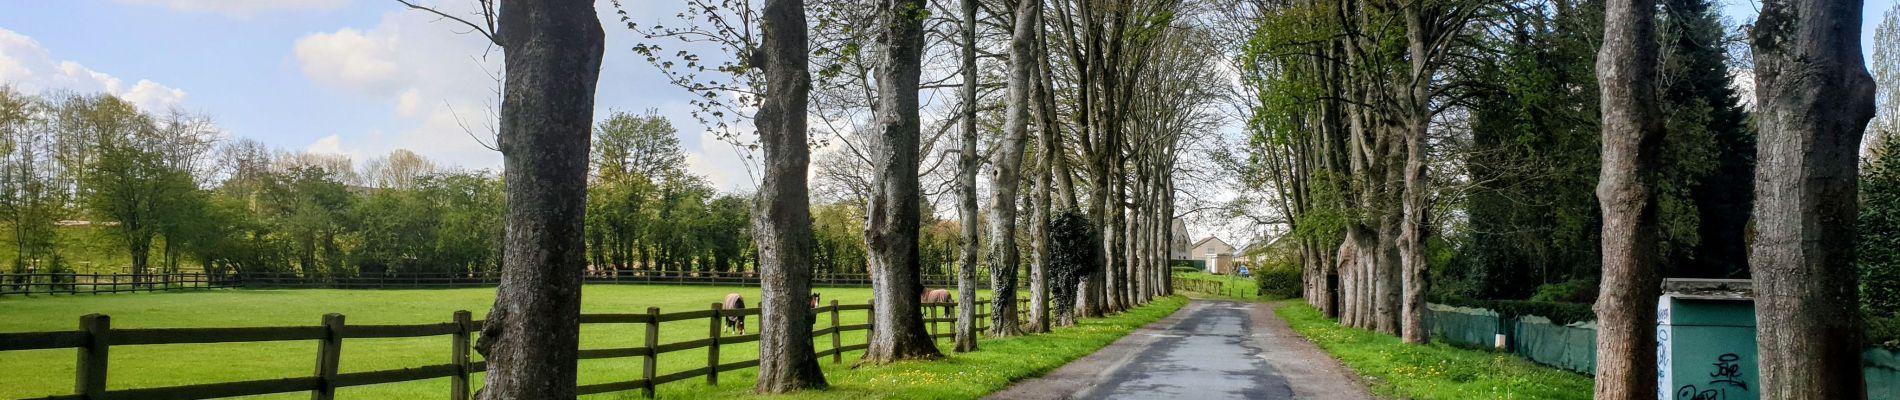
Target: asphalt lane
1207 350
1210 354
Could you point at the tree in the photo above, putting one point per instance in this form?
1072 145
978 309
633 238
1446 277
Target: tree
309 204
1005 255
30 198
129 180
553 51
401 169
782 217
1878 253
1879 230
1632 137
968 162
890 231
1814 98
1886 73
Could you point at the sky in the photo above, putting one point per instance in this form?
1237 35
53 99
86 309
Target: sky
356 77
353 77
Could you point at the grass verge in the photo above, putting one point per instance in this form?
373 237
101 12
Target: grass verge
1232 287
996 364
1435 371
39 373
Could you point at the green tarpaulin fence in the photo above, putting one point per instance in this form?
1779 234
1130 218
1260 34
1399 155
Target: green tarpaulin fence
1573 347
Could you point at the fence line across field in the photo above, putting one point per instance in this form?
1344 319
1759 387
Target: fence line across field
96 338
74 283
1202 286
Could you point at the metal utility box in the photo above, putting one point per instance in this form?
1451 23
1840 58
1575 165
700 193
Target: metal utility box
1705 340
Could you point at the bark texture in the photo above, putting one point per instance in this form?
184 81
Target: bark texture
1004 255
969 162
1632 141
1813 98
532 337
782 215
890 232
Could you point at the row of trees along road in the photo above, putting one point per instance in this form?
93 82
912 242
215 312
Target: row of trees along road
171 192
171 186
1452 149
1108 89
1111 88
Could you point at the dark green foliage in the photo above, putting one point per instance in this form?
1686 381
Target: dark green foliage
1533 219
1074 251
1558 313
1879 246
1278 281
1581 291
1533 216
1884 331
1708 149
1184 268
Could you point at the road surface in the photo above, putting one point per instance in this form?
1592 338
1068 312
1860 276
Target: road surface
1207 350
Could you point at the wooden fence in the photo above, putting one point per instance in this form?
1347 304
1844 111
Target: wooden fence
1199 285
96 338
491 278
72 283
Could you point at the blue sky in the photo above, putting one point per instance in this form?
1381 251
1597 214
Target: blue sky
357 77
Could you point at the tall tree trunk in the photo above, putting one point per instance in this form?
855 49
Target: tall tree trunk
1814 99
1004 255
970 162
890 231
1114 268
782 215
1416 118
1050 149
532 337
1632 139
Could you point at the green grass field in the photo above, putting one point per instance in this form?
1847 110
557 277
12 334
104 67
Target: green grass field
1435 371
49 372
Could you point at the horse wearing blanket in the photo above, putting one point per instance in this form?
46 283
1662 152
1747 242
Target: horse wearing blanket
734 302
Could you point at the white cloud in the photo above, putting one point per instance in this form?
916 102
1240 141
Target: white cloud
327 145
438 81
434 80
242 8
30 68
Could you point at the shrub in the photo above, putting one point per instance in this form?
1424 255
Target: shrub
1074 251
1884 331
1278 281
1574 291
1879 225
1558 313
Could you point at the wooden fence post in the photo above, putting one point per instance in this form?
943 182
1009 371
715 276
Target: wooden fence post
458 384
89 378
837 337
329 354
981 315
712 351
653 341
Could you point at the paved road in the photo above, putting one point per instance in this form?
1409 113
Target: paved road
1208 350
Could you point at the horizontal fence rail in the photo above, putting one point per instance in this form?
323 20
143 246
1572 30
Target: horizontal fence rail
72 283
1199 285
96 338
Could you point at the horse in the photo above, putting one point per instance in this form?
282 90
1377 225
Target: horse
812 319
939 296
734 302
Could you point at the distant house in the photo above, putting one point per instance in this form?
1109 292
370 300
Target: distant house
1217 255
1180 246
